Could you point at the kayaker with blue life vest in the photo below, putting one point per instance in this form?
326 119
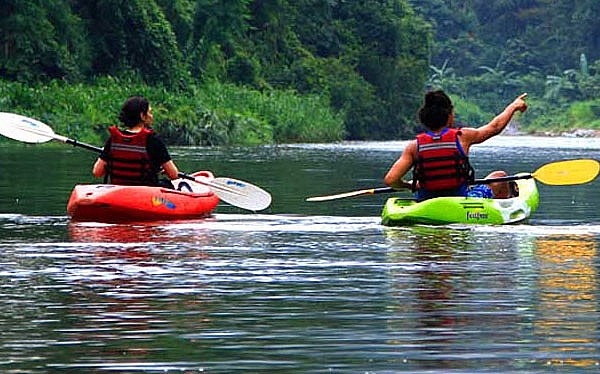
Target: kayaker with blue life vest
136 154
439 156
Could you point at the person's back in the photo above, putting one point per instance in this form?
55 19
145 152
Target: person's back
437 115
441 167
135 155
129 162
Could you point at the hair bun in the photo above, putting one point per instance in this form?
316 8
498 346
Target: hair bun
437 98
429 98
435 110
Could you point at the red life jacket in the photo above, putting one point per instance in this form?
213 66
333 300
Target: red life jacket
129 162
441 162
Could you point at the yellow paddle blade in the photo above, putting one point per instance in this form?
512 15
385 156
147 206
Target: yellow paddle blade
562 173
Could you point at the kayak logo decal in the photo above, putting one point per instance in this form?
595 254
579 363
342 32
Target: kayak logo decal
235 183
476 215
159 200
33 124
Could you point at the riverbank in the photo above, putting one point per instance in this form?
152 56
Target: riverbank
575 133
209 114
514 129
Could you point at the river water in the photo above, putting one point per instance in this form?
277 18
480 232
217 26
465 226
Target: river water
302 287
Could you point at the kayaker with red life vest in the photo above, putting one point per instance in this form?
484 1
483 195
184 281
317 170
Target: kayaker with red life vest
439 156
136 154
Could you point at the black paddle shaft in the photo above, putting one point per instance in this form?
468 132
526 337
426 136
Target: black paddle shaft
90 147
502 179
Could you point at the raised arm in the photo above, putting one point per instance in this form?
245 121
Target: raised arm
496 125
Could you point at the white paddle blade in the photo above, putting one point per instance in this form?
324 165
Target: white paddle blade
24 129
241 194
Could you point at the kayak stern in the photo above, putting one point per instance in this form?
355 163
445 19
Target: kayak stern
463 210
115 203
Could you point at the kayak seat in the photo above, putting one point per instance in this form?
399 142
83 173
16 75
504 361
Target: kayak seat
184 186
513 188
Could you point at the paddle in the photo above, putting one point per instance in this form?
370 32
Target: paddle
369 191
29 130
559 173
235 192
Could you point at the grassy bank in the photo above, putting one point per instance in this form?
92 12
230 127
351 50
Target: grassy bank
541 117
574 116
211 114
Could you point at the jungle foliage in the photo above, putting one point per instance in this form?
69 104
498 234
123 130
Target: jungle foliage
487 52
360 64
263 71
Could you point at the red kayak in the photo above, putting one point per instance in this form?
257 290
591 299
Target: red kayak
113 203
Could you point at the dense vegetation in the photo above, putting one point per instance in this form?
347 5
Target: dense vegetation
286 70
265 71
487 52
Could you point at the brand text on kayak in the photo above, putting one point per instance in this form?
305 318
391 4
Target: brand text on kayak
476 215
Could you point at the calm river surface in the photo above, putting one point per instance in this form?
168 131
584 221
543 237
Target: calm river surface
303 287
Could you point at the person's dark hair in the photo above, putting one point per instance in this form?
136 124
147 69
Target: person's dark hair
132 109
436 109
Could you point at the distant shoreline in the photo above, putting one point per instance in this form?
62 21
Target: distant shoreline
575 133
513 129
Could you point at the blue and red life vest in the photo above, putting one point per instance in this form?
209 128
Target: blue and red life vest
442 167
129 162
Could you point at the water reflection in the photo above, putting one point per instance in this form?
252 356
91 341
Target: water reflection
115 324
141 237
119 233
434 250
305 288
433 287
131 298
567 322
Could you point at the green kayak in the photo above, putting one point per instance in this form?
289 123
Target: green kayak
463 210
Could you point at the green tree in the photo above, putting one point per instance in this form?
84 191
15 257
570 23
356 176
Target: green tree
442 77
380 48
394 58
180 14
369 58
134 35
42 39
220 30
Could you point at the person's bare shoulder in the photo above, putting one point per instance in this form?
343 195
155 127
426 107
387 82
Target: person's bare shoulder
411 148
472 135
